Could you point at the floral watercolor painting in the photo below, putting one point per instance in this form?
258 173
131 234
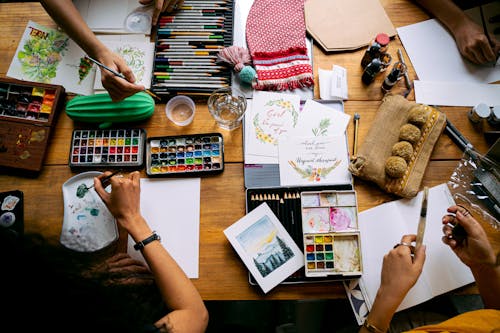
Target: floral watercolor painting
42 53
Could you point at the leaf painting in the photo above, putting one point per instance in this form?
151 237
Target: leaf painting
322 129
42 53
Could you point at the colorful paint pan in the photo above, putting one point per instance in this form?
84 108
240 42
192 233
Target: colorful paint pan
190 155
330 233
107 148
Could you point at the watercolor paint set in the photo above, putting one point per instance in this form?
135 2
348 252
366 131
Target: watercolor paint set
185 155
287 204
331 238
107 148
28 113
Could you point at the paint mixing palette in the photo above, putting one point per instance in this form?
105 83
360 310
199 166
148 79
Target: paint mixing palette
108 148
187 155
330 234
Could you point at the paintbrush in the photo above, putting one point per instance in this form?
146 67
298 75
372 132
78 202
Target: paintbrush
423 218
105 181
356 124
120 75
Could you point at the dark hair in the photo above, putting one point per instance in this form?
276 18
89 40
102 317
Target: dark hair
46 286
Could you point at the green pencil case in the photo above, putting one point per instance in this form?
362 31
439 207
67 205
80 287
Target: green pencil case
100 109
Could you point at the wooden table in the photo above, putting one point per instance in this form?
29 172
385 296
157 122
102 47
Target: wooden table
222 275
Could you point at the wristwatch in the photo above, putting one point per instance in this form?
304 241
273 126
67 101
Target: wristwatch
140 245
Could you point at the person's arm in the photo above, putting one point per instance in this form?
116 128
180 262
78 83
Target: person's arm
471 41
189 313
65 14
476 252
400 271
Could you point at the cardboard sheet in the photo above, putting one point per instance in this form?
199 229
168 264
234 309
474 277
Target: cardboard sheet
346 24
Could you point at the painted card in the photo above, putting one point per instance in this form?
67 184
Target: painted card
272 116
265 247
316 119
49 56
314 161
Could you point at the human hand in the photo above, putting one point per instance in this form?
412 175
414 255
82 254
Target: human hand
117 87
475 249
474 45
124 200
121 269
162 6
400 270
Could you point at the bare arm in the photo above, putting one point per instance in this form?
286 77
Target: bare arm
65 14
471 41
400 272
189 312
477 253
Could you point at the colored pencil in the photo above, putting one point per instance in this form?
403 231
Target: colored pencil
190 38
190 84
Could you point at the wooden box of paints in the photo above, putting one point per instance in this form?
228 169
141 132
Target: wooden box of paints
323 221
28 111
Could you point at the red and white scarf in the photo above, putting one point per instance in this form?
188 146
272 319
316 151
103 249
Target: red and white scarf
276 39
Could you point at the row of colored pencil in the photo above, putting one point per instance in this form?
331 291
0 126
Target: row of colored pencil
187 43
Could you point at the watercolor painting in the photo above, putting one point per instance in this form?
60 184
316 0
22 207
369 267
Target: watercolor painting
313 160
262 242
41 53
265 247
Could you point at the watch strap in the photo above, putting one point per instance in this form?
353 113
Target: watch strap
140 245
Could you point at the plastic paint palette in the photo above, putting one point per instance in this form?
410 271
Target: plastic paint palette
189 155
107 148
331 235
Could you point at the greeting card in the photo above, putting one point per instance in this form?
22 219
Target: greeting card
321 160
265 247
272 116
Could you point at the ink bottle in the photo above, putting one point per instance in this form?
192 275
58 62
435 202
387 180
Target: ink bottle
376 47
371 70
397 72
479 112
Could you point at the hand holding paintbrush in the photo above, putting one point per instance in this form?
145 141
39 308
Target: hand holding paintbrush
113 89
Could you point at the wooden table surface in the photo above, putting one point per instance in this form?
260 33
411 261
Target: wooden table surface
222 275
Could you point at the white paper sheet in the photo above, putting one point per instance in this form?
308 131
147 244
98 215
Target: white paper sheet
456 93
383 226
435 56
172 208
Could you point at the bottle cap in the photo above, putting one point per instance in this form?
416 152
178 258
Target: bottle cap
383 39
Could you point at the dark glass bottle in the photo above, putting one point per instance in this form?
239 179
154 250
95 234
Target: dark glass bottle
398 70
376 47
371 70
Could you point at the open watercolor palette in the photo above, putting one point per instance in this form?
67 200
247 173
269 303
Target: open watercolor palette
28 112
186 155
110 148
287 204
331 236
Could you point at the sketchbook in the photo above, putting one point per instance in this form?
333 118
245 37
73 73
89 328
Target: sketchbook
383 226
48 55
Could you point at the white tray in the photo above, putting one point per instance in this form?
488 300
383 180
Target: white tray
88 225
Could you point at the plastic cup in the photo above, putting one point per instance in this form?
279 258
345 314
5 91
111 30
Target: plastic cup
227 106
180 110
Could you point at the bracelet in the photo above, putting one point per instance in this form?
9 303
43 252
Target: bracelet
140 245
371 328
